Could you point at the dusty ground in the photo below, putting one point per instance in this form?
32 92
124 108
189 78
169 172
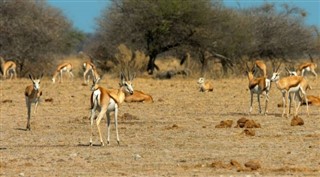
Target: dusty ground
174 136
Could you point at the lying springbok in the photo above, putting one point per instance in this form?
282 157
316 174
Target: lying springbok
313 100
88 66
64 67
8 67
32 94
258 86
205 86
108 102
262 67
293 84
138 96
307 67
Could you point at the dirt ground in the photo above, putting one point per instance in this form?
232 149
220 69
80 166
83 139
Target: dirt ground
174 136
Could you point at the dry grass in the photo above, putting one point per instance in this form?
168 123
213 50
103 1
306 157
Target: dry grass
174 136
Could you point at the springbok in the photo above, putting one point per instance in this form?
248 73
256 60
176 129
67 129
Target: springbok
88 66
307 67
304 85
108 102
258 86
262 67
32 94
138 96
8 67
288 85
291 73
64 67
205 86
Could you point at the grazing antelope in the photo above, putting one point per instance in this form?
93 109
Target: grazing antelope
304 67
288 85
89 66
107 102
258 86
32 95
138 96
262 66
64 67
8 67
205 86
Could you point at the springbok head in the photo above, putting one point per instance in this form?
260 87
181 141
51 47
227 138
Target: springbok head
276 74
126 82
291 73
201 80
36 81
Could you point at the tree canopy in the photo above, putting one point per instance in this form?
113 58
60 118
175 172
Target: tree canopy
33 30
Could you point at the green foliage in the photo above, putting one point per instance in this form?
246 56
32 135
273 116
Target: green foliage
203 26
32 31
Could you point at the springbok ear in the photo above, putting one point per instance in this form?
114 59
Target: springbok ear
132 76
30 76
41 76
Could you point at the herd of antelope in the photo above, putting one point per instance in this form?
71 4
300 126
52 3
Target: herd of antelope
292 87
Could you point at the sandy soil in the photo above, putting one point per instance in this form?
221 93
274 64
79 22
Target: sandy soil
174 136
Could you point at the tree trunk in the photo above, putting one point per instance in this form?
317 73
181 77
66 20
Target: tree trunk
151 64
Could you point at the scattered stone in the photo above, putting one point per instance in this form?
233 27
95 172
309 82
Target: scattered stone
241 122
236 164
253 164
48 100
225 124
247 123
137 156
128 116
219 164
249 132
7 101
296 121
175 126
251 124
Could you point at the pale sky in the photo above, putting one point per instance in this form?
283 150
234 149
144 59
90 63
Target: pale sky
83 13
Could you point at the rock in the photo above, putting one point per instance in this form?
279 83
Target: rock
241 122
297 121
225 124
253 164
249 132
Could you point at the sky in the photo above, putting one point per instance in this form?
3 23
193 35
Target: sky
83 13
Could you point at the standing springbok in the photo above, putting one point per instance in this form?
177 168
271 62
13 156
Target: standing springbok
287 85
307 67
88 66
8 67
305 85
64 67
107 102
205 86
258 86
262 67
32 94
